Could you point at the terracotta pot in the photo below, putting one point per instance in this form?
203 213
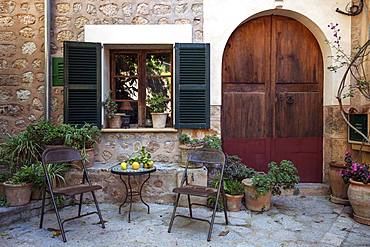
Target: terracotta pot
184 152
337 185
159 120
18 194
255 201
36 193
90 153
234 203
115 122
359 197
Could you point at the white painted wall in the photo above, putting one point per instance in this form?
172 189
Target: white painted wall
222 17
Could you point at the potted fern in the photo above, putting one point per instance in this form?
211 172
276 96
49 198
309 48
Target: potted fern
157 103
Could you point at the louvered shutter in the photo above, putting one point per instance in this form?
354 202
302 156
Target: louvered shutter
58 71
82 89
192 86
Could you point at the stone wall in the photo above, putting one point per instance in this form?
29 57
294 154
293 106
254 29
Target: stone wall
21 64
69 19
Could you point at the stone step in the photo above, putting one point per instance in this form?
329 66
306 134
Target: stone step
9 215
309 189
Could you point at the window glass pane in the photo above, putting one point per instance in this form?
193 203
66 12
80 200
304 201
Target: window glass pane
126 64
158 64
126 88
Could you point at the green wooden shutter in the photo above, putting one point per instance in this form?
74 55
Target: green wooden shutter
58 71
82 89
192 88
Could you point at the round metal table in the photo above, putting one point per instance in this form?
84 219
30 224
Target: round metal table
129 191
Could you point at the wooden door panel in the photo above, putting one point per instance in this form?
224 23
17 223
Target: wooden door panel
246 56
298 55
244 115
306 154
298 114
272 75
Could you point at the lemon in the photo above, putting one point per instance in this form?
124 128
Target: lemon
124 165
135 165
150 162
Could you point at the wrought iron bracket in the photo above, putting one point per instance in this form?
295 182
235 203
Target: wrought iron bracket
352 9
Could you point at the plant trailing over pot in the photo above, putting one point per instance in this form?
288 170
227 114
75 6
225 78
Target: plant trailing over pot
358 177
234 190
260 188
110 108
157 102
18 187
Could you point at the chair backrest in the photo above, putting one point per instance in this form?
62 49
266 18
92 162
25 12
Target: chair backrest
207 157
60 155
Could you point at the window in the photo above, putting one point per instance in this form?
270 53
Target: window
135 75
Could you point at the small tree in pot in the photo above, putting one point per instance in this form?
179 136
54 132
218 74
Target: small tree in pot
110 107
157 103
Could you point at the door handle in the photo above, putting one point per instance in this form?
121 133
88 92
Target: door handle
289 99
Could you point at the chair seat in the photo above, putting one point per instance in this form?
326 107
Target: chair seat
76 189
196 190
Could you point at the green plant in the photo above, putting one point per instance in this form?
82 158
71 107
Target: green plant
157 102
23 176
213 142
262 183
110 107
142 157
81 138
3 202
46 133
235 169
284 176
233 187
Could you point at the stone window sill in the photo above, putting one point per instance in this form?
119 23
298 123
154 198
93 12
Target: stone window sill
140 130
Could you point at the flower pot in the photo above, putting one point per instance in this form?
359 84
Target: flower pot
255 201
234 203
90 157
115 122
159 120
18 194
184 152
337 185
359 197
36 193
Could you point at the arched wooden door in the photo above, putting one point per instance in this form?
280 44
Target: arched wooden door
272 106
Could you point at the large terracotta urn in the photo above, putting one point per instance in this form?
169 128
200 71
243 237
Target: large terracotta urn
359 197
337 185
255 201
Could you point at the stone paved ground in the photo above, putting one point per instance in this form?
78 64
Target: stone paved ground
293 221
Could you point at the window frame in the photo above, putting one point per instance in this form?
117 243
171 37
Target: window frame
142 78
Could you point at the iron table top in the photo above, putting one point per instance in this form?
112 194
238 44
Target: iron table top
129 171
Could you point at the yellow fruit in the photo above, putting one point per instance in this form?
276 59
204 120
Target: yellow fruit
150 163
135 165
123 165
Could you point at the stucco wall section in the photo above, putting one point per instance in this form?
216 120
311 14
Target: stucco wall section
21 64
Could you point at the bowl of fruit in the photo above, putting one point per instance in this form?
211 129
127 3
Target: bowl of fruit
141 159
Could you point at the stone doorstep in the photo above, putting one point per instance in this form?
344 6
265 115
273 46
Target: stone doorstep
9 215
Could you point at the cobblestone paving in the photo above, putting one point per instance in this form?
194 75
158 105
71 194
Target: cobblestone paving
293 221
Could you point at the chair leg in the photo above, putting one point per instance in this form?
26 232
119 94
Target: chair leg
190 210
80 205
174 212
42 207
58 217
98 209
225 207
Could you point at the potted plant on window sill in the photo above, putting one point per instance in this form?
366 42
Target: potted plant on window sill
157 103
110 107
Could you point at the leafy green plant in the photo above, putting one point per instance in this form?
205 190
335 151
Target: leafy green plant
262 182
46 133
235 169
23 176
110 107
208 141
284 176
157 102
3 202
233 187
142 157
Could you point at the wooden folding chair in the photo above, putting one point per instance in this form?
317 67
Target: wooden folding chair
208 158
67 155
